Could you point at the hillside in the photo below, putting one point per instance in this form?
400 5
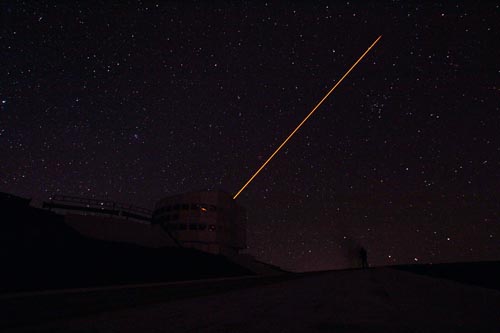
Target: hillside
39 251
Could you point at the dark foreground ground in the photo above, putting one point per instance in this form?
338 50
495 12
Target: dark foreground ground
374 300
485 274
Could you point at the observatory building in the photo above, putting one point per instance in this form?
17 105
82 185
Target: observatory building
208 221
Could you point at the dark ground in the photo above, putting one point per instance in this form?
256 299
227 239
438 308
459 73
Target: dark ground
369 300
485 274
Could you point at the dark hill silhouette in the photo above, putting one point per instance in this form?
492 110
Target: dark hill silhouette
485 274
39 251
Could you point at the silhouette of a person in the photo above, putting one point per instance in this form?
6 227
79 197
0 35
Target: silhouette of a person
363 255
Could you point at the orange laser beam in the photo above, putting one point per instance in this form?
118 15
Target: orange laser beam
307 117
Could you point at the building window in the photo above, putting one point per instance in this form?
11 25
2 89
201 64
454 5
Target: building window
211 227
203 207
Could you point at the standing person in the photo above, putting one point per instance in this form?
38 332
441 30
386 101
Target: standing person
363 255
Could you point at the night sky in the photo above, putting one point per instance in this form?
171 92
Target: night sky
137 101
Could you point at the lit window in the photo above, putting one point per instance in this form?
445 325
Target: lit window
211 227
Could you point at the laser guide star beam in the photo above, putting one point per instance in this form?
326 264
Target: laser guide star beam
306 118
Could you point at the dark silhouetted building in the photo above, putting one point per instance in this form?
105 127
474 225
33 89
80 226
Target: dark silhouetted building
208 221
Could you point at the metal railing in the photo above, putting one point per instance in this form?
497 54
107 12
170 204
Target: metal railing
96 206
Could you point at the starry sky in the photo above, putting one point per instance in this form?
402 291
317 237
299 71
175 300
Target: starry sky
135 101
